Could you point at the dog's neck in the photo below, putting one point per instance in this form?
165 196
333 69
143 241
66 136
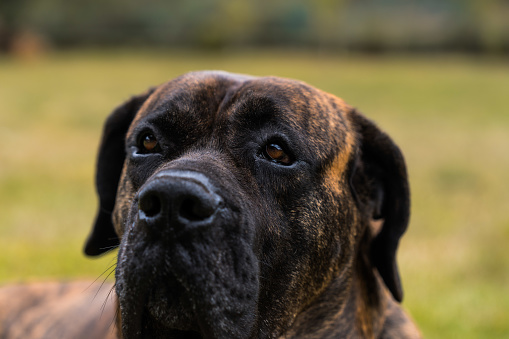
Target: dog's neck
359 301
358 297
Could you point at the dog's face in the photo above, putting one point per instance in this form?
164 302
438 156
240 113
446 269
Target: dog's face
239 201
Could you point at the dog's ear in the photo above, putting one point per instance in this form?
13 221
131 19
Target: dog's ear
109 167
379 182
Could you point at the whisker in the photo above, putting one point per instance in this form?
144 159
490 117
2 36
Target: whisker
111 269
104 210
109 247
100 275
113 320
106 270
103 307
112 324
106 278
115 316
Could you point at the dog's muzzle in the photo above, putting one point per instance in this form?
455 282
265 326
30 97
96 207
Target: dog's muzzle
186 261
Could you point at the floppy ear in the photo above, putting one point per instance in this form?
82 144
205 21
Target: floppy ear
109 167
381 187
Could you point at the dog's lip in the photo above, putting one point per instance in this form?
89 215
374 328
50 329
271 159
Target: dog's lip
132 319
164 305
154 309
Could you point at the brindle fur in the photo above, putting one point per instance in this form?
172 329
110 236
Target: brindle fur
78 310
305 251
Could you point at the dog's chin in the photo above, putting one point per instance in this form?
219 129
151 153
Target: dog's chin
168 309
164 316
154 329
157 310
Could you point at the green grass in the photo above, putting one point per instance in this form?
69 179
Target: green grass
450 116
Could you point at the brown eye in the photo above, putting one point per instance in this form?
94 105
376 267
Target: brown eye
276 153
149 142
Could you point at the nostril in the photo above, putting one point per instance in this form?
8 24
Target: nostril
193 209
150 204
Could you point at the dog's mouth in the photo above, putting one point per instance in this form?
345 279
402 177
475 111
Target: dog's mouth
165 313
204 288
169 310
164 310
166 306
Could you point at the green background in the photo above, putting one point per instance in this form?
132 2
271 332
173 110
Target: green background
449 115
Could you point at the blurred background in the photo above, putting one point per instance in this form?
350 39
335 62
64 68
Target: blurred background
434 74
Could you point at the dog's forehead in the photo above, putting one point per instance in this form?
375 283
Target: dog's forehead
188 91
208 96
293 101
228 88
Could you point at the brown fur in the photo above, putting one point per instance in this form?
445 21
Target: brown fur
52 310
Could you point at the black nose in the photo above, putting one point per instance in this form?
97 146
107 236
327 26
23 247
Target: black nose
178 199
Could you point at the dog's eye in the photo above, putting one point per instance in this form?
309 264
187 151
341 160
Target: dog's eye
275 153
148 143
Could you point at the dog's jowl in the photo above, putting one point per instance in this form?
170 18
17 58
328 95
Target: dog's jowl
248 207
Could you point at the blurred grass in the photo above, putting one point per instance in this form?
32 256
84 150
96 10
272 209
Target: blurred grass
449 115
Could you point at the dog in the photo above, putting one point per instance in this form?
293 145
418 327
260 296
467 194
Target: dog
251 207
49 310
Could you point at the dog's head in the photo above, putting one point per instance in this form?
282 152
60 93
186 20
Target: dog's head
238 201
